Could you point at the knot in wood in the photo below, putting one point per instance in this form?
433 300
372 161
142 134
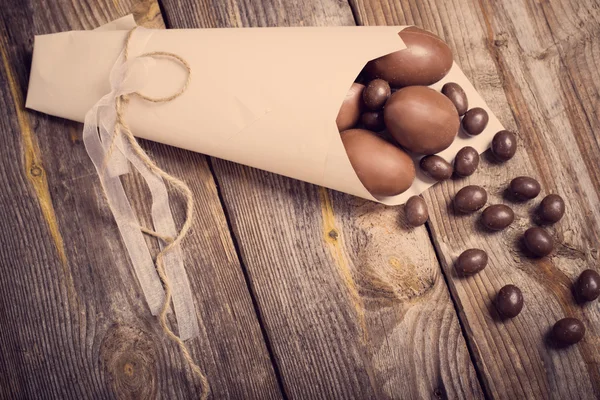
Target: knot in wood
129 357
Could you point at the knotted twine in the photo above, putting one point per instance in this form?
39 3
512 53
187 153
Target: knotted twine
110 144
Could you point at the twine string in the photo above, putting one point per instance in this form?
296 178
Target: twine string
122 128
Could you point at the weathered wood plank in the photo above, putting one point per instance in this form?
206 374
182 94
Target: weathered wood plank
74 323
352 300
536 65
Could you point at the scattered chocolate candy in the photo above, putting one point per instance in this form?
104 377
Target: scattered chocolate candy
587 287
436 167
426 60
470 198
524 188
421 119
471 261
552 208
504 145
568 331
373 120
497 217
457 96
538 241
416 211
350 111
376 94
475 121
466 161
389 173
509 301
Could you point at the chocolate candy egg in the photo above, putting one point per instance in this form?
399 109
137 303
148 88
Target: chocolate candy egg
538 241
475 121
373 120
497 217
376 94
384 169
416 211
470 198
457 96
509 301
552 208
421 119
568 331
426 60
436 167
466 161
504 145
471 261
350 111
525 188
587 287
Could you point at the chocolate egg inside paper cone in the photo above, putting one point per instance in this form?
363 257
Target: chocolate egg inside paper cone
263 97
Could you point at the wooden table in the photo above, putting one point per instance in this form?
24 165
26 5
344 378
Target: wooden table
303 292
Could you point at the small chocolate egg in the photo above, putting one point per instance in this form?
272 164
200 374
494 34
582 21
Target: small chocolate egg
457 96
384 169
587 287
426 60
475 121
376 94
552 208
538 241
466 161
568 331
504 145
415 210
421 119
509 301
436 167
373 120
471 261
497 217
525 188
350 110
470 198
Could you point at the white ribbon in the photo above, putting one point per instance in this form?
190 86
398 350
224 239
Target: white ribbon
98 131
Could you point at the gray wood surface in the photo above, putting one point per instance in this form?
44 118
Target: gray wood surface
73 321
304 292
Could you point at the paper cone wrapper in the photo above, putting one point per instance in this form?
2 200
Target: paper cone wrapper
263 97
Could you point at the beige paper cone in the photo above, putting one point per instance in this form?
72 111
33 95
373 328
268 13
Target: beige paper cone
263 97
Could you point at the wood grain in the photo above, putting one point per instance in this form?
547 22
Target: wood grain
536 65
352 300
74 324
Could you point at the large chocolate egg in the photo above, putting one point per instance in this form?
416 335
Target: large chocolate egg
421 119
426 60
351 107
384 169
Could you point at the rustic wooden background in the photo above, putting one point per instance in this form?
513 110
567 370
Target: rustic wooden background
303 292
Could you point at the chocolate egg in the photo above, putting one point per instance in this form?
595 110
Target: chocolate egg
384 169
373 120
416 211
376 94
466 161
421 119
436 167
350 111
470 198
457 96
426 60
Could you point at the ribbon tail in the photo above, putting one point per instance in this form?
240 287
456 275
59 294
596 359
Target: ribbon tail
127 222
162 218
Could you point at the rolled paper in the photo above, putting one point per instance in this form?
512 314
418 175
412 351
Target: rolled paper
263 97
